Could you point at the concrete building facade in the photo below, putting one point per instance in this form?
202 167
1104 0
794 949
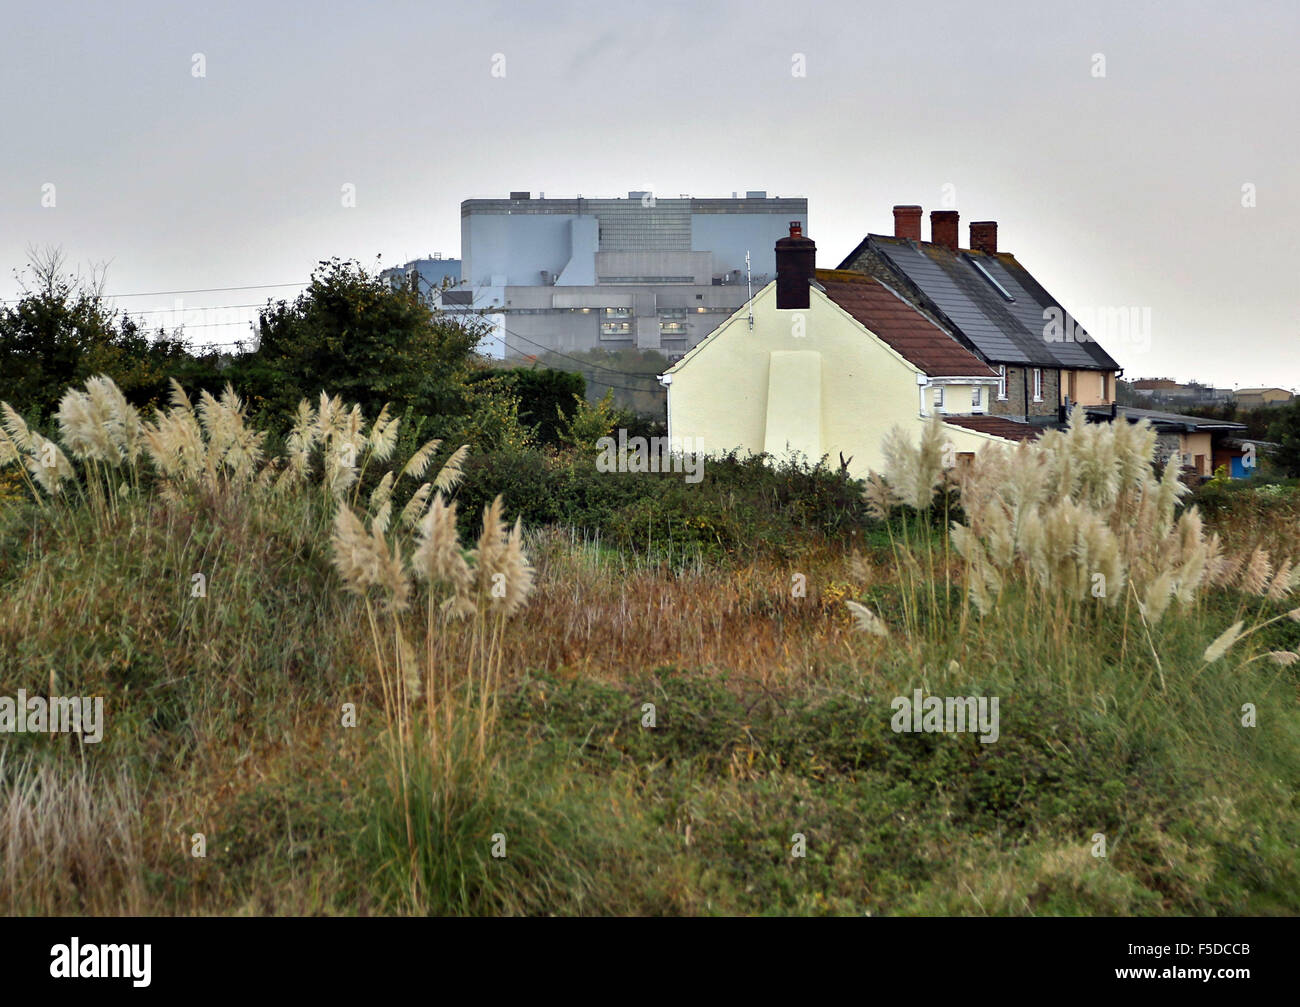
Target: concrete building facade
641 272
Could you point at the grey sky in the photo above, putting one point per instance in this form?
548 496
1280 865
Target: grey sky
1124 190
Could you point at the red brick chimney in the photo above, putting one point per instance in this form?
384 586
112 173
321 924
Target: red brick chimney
796 262
943 228
907 222
984 236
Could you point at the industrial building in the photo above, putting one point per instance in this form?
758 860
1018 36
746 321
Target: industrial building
641 272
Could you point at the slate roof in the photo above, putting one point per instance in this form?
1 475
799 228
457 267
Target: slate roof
889 316
998 426
1166 421
1002 331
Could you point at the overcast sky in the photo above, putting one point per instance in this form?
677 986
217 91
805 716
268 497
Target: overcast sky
1117 190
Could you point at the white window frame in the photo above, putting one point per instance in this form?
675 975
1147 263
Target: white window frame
1002 382
938 397
1038 384
976 398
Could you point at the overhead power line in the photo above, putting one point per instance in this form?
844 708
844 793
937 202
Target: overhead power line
583 363
194 307
210 290
195 290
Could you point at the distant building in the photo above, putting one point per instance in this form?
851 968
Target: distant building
431 274
1255 398
641 272
435 276
1165 391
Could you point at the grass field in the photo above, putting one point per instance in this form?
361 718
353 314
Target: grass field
622 731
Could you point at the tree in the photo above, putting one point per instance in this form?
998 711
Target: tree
61 332
350 333
1285 431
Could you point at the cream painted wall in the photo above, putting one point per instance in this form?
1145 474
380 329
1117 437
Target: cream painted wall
1198 444
1088 387
721 391
957 399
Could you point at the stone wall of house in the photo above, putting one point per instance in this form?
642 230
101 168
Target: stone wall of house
1167 445
1019 402
1051 404
870 262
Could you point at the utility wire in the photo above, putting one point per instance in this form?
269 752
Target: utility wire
195 307
195 290
580 363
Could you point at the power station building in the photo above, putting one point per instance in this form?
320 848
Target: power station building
641 272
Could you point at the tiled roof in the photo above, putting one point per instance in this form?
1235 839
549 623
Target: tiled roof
900 325
998 426
1002 331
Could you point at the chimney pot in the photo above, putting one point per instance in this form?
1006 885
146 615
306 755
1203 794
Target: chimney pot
943 228
796 262
907 222
984 236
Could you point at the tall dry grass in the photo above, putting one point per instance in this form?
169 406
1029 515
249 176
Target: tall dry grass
439 678
437 681
69 840
1076 571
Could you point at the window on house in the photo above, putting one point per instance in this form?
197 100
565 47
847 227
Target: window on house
977 398
1038 384
938 397
1002 382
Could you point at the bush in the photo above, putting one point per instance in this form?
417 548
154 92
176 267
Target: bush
541 393
740 506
